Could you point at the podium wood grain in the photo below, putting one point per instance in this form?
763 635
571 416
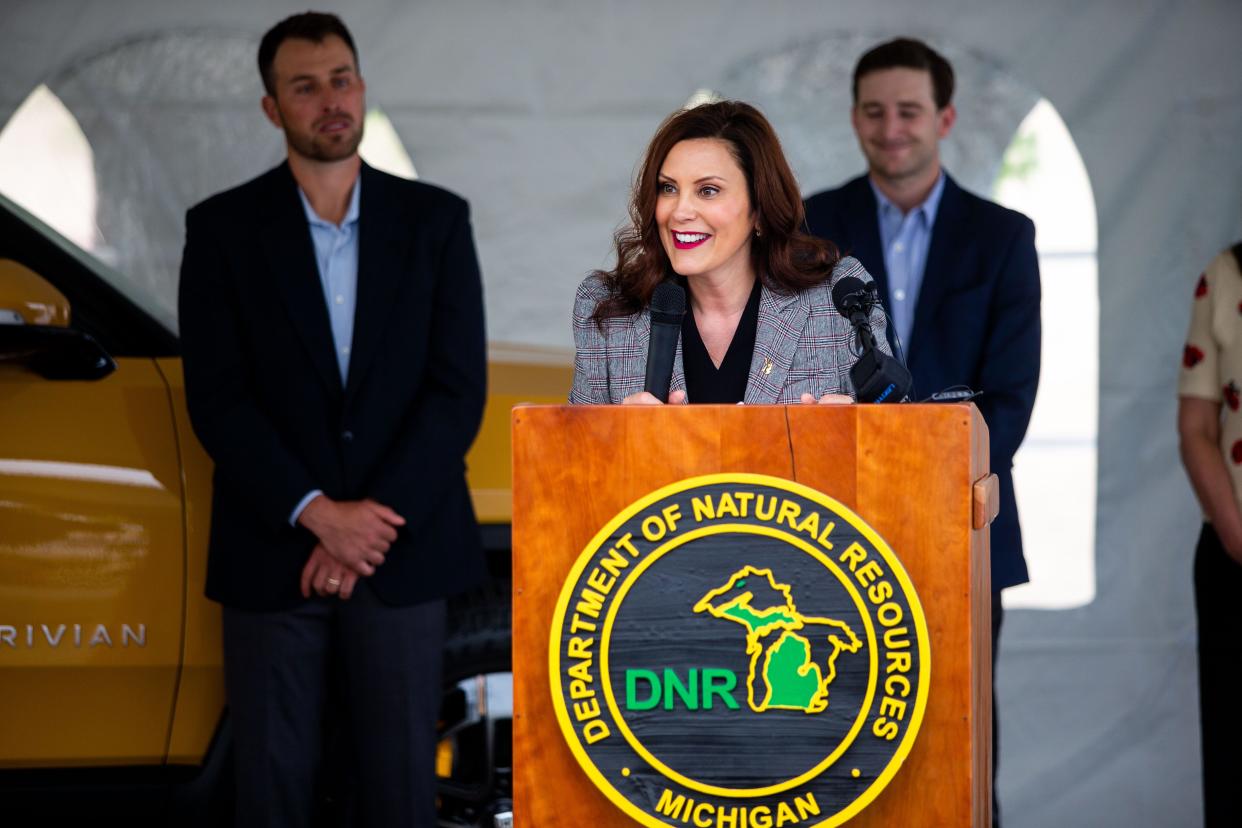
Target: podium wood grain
908 471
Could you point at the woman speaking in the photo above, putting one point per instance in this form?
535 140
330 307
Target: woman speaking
715 208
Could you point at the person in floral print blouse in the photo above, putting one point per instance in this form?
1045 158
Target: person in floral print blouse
1209 425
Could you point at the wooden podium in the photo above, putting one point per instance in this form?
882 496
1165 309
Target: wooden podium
917 474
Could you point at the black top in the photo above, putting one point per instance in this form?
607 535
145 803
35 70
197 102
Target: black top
705 383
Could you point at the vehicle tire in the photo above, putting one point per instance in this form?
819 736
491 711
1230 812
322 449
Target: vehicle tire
474 758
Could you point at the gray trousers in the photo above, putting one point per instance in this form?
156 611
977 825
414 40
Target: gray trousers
279 670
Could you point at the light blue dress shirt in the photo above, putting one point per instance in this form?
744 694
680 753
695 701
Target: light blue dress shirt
336 254
905 239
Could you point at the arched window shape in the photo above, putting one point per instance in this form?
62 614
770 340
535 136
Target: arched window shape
382 148
1044 177
167 120
47 167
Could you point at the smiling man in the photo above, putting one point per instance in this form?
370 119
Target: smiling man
958 273
332 333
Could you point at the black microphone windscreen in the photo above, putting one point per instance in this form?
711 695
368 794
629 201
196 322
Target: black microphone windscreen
668 308
848 295
668 303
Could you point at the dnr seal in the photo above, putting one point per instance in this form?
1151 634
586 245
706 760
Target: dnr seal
739 650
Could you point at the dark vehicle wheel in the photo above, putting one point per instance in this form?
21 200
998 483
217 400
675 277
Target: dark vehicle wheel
474 758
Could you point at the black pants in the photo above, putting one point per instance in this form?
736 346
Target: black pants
1218 591
385 662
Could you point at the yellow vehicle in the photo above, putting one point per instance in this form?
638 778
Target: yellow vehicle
111 680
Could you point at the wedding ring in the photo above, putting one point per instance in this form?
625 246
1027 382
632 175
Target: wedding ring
334 582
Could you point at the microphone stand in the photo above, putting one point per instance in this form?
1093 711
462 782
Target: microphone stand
877 376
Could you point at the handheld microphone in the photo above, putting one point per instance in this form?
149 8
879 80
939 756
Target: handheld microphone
668 307
877 376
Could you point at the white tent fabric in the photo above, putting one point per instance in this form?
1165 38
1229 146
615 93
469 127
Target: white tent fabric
538 110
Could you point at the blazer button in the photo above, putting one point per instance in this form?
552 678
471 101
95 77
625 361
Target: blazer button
347 436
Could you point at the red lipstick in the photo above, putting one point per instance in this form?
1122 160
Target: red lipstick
688 241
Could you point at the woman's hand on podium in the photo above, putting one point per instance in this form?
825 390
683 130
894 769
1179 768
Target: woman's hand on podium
647 398
827 399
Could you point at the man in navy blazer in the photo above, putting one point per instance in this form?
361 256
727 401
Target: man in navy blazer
958 273
332 334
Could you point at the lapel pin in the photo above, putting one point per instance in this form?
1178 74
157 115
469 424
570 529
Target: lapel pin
767 366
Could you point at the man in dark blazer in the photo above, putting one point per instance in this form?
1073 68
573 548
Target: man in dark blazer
332 333
958 273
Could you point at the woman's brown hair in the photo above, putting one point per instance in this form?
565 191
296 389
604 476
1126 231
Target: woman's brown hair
785 257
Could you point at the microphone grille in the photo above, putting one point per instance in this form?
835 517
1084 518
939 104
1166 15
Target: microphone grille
669 298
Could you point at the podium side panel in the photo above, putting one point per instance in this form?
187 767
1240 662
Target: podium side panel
981 680
914 479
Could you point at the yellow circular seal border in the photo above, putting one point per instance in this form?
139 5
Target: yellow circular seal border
592 547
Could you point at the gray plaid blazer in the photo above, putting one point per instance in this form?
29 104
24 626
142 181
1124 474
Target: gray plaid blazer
802 345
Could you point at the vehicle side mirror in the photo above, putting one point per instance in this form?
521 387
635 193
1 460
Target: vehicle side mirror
35 332
27 298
